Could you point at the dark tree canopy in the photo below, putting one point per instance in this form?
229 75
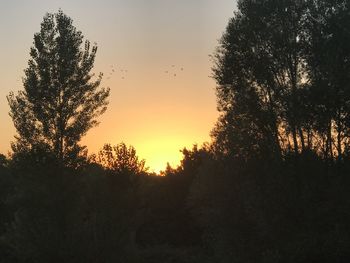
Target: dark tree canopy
282 69
61 99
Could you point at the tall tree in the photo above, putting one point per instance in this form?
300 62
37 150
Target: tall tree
61 98
282 69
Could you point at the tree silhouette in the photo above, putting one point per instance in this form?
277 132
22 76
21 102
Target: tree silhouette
60 101
329 31
121 159
282 74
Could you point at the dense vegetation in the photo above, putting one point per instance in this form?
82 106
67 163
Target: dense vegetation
273 186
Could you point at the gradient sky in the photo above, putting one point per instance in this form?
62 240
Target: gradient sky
156 112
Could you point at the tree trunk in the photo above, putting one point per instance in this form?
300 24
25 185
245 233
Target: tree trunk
330 141
301 135
295 140
339 147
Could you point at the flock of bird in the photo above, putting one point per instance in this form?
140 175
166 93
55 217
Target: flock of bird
122 75
172 71
122 72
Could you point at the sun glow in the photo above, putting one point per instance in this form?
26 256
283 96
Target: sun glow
159 151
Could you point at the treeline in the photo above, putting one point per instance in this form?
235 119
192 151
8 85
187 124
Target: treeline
209 209
108 210
273 186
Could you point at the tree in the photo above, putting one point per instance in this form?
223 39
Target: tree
282 74
61 99
255 68
329 64
121 159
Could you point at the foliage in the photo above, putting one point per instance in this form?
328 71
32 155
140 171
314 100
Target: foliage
60 101
282 80
280 144
120 159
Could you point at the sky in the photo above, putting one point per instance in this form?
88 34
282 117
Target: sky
155 57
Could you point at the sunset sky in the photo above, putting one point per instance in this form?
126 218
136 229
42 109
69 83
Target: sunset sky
154 40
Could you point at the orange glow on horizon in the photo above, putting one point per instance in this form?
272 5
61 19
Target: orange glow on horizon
159 152
156 149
